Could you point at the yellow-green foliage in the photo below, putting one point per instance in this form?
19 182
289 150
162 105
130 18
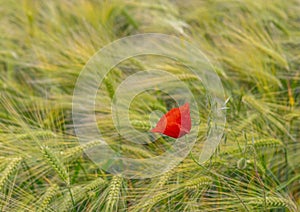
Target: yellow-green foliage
254 46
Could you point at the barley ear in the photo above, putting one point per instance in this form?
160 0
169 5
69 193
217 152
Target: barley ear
114 193
9 170
55 163
47 197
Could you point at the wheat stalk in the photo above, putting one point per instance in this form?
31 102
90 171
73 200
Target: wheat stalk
55 163
47 197
74 153
197 183
164 178
267 143
114 193
273 202
81 192
9 170
109 86
141 125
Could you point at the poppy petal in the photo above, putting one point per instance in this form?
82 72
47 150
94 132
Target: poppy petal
175 123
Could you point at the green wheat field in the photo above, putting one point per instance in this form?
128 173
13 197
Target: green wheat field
254 46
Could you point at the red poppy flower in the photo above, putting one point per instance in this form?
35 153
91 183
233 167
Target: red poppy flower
175 123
